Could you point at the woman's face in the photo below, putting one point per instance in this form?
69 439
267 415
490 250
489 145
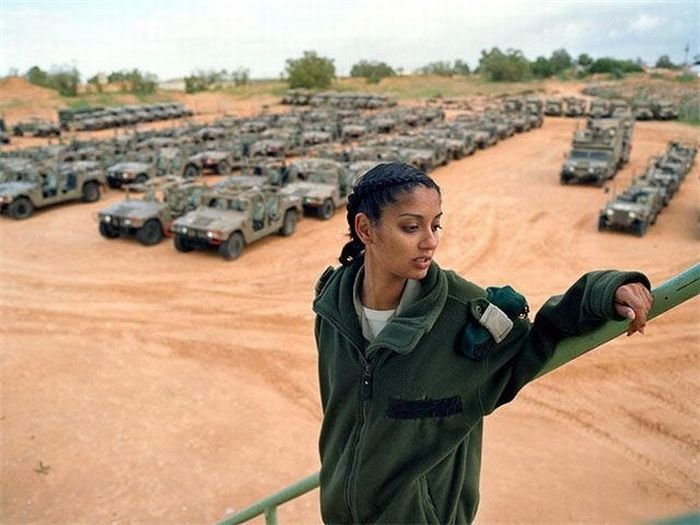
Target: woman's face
404 241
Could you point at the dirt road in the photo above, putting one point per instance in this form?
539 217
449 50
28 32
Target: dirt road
143 385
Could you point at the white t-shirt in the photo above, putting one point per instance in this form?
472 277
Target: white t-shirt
377 319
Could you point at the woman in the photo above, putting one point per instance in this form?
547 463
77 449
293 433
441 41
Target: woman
412 357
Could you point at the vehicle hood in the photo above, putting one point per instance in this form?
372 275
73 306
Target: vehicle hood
211 219
627 207
309 189
16 188
128 166
134 209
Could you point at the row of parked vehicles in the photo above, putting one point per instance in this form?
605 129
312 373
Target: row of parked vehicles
95 118
638 206
640 109
598 151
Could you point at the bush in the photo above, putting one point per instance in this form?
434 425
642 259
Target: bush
689 109
542 68
65 80
311 71
510 66
609 65
664 62
372 71
134 81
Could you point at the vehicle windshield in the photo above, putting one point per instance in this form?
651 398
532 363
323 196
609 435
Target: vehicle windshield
599 155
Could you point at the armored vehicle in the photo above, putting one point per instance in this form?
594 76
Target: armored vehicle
322 184
43 188
598 152
664 176
600 108
665 110
230 220
642 110
149 218
37 128
635 210
554 107
128 172
620 108
575 107
222 161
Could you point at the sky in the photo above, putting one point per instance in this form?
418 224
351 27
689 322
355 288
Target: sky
173 38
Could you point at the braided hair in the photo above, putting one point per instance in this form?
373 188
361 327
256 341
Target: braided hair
374 190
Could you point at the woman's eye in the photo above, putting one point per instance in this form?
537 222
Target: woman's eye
437 227
411 228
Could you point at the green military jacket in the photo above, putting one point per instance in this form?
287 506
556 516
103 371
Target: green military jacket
402 416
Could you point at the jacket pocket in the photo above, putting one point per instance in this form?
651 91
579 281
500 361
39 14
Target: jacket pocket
427 503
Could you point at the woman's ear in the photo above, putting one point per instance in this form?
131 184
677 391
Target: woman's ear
363 227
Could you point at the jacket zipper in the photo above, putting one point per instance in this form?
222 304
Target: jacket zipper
365 396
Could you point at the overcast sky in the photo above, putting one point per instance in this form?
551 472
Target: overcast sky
173 38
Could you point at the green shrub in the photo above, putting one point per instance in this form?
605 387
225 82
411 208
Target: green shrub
65 80
498 66
310 71
372 71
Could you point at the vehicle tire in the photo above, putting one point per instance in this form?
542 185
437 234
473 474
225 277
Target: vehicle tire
191 171
289 224
91 192
223 168
233 247
564 179
326 210
114 184
20 208
150 233
182 244
108 231
640 228
141 178
602 223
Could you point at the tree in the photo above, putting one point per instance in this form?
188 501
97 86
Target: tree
440 68
584 60
461 68
498 66
240 76
542 67
664 62
37 76
134 80
560 60
310 71
63 79
373 71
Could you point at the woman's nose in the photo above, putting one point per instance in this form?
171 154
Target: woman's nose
429 241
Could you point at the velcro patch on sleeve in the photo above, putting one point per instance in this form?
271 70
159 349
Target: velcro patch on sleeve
496 322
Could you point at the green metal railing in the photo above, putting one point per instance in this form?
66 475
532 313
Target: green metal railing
670 294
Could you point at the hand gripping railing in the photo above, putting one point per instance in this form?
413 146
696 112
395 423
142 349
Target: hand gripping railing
670 294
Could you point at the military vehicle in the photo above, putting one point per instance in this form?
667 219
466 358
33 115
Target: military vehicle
634 210
600 108
149 218
534 108
554 107
598 151
354 131
222 160
134 171
230 220
665 110
575 107
322 184
620 108
37 128
664 176
642 110
45 187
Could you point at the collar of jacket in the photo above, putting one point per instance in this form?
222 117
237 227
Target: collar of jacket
335 303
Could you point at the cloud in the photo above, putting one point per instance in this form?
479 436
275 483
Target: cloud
645 22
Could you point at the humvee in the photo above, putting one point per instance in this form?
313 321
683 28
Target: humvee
135 171
633 210
230 220
600 108
222 161
575 107
665 110
553 107
37 127
149 218
322 184
642 110
45 187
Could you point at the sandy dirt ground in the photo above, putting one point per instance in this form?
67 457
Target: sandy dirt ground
142 385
